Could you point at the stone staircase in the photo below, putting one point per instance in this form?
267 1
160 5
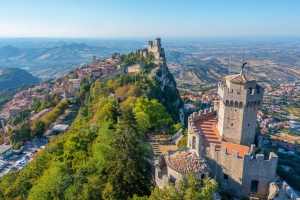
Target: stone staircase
208 129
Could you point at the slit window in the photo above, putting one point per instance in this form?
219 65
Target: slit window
225 176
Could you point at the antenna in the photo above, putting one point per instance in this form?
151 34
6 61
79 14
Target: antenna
230 59
243 56
249 60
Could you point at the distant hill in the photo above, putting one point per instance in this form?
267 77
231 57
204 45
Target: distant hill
9 51
12 77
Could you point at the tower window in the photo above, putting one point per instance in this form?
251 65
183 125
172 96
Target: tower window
250 88
225 176
254 186
248 124
231 124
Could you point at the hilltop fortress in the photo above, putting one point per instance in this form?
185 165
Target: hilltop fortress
156 49
223 139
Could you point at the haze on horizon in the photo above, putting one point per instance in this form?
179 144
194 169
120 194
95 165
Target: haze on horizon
169 18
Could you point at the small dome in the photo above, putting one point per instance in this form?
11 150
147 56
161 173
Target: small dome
186 160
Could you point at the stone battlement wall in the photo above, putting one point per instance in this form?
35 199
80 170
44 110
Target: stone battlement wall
202 114
245 96
194 135
226 168
242 171
256 168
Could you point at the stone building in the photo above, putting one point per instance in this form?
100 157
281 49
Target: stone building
156 49
227 135
173 166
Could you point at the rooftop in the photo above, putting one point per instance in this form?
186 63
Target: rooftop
211 134
239 78
186 160
4 148
60 127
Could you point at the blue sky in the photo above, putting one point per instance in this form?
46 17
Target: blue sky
133 18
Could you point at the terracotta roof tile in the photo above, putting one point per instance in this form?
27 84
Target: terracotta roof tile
186 160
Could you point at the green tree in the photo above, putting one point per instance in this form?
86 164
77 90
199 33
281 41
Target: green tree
128 169
52 184
17 146
38 128
157 113
143 122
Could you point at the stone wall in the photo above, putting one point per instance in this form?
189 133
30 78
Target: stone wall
119 71
226 169
161 178
194 135
134 68
237 114
177 136
235 174
258 169
174 175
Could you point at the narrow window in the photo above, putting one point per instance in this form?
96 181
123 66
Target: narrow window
225 176
254 186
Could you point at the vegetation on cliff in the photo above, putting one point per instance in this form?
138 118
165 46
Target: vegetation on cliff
102 155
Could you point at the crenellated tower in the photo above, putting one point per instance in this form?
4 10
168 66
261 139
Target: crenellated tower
239 102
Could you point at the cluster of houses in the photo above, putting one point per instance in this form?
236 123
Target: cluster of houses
285 93
67 85
23 100
274 98
268 122
210 96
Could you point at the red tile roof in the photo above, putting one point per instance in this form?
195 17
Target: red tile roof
186 160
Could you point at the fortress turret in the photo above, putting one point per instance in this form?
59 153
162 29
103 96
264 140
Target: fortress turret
155 49
158 44
150 45
239 102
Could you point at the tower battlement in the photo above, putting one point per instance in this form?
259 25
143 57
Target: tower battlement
222 150
246 95
261 158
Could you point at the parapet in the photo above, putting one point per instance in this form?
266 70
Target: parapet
260 157
245 94
202 114
228 149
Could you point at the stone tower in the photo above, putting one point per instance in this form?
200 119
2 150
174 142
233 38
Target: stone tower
239 102
150 45
158 44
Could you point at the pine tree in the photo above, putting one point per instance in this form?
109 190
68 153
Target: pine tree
128 169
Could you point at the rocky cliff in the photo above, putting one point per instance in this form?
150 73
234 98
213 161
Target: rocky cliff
170 96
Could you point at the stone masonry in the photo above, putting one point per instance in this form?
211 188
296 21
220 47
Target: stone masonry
227 140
